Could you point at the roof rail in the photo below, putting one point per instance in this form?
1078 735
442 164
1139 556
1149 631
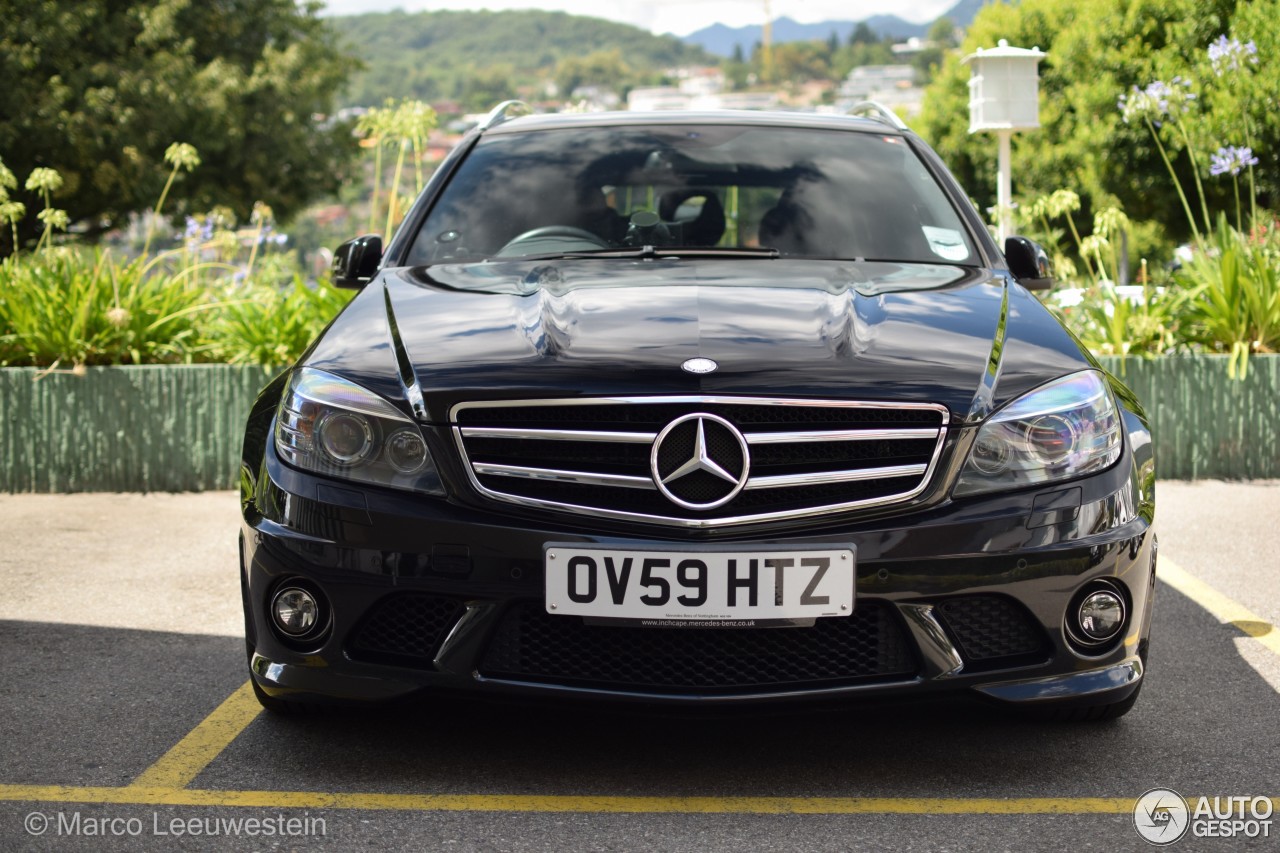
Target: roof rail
879 112
505 111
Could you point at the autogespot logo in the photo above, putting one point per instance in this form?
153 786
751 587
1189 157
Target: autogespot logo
1161 816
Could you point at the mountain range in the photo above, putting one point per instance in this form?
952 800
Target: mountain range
721 39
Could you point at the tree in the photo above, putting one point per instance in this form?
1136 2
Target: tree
941 38
604 68
862 34
484 87
942 33
1097 51
98 89
800 61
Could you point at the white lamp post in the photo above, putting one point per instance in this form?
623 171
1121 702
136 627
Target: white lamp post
1004 96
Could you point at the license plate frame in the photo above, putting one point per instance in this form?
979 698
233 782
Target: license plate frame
740 586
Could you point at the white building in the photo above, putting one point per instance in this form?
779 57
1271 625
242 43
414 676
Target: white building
892 85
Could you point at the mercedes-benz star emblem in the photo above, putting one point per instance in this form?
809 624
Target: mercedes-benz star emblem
700 461
699 365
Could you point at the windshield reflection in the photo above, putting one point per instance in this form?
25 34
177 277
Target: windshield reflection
803 192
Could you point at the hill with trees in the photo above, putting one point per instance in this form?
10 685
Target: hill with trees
479 58
722 39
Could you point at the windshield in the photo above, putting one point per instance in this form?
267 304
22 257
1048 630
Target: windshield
802 192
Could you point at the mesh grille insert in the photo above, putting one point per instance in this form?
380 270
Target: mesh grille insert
991 627
405 628
532 645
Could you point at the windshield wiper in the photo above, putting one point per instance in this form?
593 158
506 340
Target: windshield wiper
656 252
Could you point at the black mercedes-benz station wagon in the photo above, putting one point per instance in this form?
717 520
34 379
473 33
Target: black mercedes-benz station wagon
697 408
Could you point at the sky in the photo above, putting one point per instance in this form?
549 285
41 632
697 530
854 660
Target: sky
675 16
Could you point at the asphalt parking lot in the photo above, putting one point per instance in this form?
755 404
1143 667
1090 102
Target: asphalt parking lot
125 722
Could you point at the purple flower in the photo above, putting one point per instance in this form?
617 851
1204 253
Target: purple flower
1157 100
1231 159
193 228
1227 54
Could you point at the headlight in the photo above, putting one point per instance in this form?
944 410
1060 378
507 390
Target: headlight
336 428
1062 430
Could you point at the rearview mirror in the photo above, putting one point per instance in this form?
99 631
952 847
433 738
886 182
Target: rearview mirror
1029 263
356 262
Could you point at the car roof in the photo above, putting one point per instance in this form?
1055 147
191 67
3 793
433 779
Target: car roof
759 118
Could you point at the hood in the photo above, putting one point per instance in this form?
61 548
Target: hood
961 337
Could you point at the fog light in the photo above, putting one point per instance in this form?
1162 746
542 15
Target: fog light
296 611
1100 616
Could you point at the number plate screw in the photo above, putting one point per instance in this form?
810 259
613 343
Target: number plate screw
553 607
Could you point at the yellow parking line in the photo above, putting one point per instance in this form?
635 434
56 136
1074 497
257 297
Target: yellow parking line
164 783
1226 610
137 795
180 765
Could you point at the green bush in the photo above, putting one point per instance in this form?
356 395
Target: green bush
274 324
66 308
1233 294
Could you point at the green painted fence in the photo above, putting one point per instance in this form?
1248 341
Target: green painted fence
1206 425
154 428
178 428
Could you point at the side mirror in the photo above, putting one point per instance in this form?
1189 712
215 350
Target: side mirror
1028 262
356 261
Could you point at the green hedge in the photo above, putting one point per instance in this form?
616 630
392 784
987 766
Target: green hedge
178 428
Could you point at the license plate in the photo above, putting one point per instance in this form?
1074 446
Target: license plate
692 587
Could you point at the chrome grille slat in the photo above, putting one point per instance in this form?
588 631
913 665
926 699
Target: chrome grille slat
837 435
592 455
559 434
585 478
788 481
647 437
782 481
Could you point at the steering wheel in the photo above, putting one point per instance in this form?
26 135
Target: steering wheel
552 238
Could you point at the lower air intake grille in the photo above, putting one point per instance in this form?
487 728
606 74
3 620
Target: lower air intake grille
991 627
405 628
532 645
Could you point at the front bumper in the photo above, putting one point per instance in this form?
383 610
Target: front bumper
363 549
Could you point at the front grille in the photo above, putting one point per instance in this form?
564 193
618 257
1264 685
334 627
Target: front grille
532 645
806 457
404 628
991 628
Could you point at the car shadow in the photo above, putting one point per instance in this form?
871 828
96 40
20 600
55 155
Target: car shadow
943 747
99 705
